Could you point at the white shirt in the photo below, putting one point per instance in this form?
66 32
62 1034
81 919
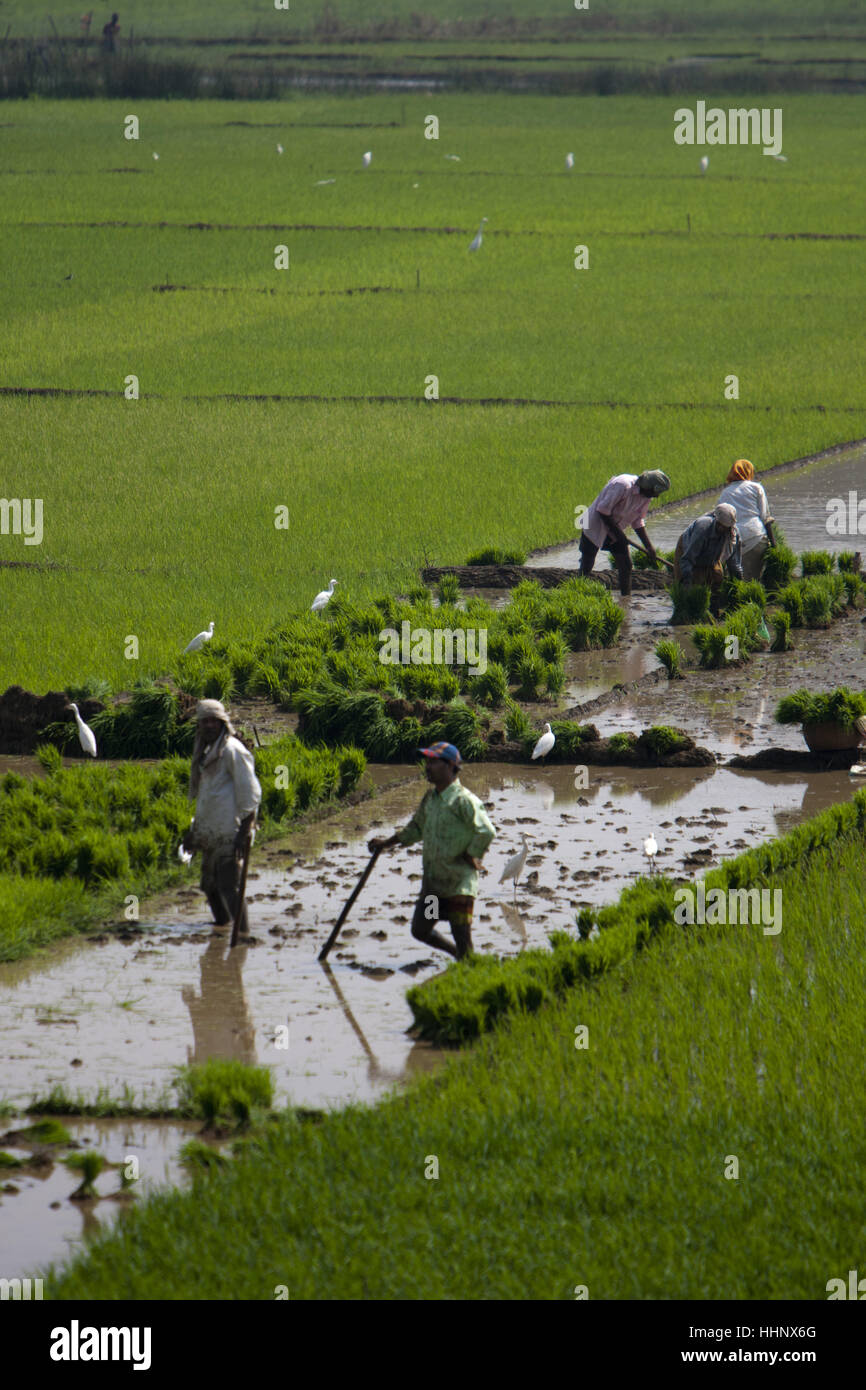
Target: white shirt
749 501
229 789
621 500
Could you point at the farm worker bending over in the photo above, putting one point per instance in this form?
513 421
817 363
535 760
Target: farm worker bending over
227 794
623 501
705 548
456 831
754 523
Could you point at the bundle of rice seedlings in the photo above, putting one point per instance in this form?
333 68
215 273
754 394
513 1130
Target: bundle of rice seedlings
491 688
691 603
492 555
90 1164
816 562
781 632
448 589
671 656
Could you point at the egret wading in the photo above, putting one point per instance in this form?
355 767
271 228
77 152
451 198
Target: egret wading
324 598
514 868
86 736
650 849
545 743
475 243
199 640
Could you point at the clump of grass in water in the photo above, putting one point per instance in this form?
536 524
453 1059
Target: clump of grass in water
224 1092
660 740
200 1159
7 1160
517 724
448 589
841 706
691 603
779 563
90 1164
45 1132
781 632
816 562
671 656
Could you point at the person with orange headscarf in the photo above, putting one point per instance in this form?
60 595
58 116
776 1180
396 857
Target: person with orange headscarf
754 523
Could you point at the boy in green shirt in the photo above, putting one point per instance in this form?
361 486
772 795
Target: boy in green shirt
456 831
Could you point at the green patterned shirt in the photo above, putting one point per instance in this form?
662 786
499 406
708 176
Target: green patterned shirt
451 823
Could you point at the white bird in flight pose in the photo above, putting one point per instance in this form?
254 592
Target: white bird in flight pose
544 744
569 160
86 736
476 240
650 849
199 639
321 600
514 868
367 158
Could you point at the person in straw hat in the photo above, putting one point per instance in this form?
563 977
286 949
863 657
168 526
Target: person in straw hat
227 794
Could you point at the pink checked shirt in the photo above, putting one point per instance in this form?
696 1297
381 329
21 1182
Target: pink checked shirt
621 500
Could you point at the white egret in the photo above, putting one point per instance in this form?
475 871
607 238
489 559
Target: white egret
650 849
323 599
514 868
155 155
782 158
320 183
705 163
86 736
569 160
280 149
199 639
367 159
454 157
476 241
545 743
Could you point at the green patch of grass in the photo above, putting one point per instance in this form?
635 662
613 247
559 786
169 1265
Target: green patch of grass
89 1164
7 1160
200 1159
671 656
225 1092
691 603
47 1131
496 555
841 706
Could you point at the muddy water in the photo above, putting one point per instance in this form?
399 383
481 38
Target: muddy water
102 1012
39 1223
798 501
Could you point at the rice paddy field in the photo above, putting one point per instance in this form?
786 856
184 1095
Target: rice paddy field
305 388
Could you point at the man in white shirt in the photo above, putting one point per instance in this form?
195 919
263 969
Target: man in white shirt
623 501
754 523
227 794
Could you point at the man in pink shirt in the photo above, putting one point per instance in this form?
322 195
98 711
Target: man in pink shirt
623 501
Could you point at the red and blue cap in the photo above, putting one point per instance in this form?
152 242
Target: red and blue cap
446 751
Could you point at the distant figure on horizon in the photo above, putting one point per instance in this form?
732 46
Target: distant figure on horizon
109 34
85 23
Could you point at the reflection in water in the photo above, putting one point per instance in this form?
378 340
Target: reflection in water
515 921
375 1072
221 1022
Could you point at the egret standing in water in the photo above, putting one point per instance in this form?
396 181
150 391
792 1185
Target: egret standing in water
475 243
86 736
323 599
514 868
199 639
650 849
544 744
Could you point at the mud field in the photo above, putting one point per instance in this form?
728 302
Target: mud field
126 1008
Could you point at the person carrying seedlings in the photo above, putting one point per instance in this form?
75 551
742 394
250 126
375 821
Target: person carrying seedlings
706 548
754 523
457 832
623 501
227 795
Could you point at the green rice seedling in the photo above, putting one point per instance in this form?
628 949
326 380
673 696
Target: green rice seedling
641 560
660 740
840 706
528 673
816 562
448 589
554 677
224 1091
691 603
200 1159
853 587
671 656
461 726
711 643
552 646
89 1164
621 744
845 561
491 688
781 632
8 1161
92 688
791 600
493 555
49 757
779 564
518 726
47 1131
738 592
585 922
